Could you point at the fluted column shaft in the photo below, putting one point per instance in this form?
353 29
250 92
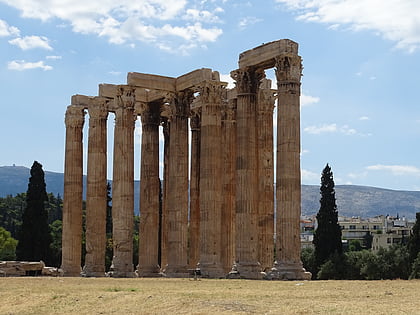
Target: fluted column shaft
73 190
177 197
211 180
123 184
96 191
164 222
149 192
288 181
266 176
194 226
247 83
228 185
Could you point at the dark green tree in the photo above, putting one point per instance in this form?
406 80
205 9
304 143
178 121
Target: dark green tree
34 237
109 251
327 238
413 244
7 245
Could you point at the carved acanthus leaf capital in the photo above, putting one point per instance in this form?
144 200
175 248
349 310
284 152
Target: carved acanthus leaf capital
126 97
98 108
289 68
212 92
180 103
266 99
247 80
75 116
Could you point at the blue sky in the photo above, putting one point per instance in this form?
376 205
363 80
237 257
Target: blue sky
360 86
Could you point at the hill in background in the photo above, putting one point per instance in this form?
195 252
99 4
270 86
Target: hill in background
352 200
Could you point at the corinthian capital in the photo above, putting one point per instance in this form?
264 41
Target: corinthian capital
212 92
126 96
98 108
75 116
288 68
247 80
180 103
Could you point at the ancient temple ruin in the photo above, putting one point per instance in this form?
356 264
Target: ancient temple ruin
218 207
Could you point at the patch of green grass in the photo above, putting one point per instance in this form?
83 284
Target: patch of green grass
121 290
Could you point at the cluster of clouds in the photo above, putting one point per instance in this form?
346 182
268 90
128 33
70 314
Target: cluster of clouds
26 43
394 20
186 24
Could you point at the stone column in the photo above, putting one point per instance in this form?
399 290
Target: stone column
123 184
228 184
211 179
247 265
149 192
96 191
194 250
73 190
164 226
266 98
177 197
288 264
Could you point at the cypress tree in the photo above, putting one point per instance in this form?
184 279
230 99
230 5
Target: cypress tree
34 237
327 238
414 240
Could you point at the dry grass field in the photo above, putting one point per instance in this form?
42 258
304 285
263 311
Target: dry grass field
45 295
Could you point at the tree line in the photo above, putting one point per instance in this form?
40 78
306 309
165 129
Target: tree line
328 260
31 228
31 224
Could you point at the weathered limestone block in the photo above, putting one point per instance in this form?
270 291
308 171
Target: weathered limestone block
264 56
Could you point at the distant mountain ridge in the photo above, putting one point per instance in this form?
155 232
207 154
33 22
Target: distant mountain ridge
352 200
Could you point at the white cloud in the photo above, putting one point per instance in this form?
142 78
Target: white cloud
316 130
395 20
364 118
6 30
154 21
227 78
396 169
202 16
31 42
332 128
53 57
247 21
21 65
308 175
116 73
306 100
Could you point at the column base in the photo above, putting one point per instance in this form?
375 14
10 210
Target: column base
124 271
93 271
288 271
214 271
149 272
246 270
122 274
176 272
71 271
